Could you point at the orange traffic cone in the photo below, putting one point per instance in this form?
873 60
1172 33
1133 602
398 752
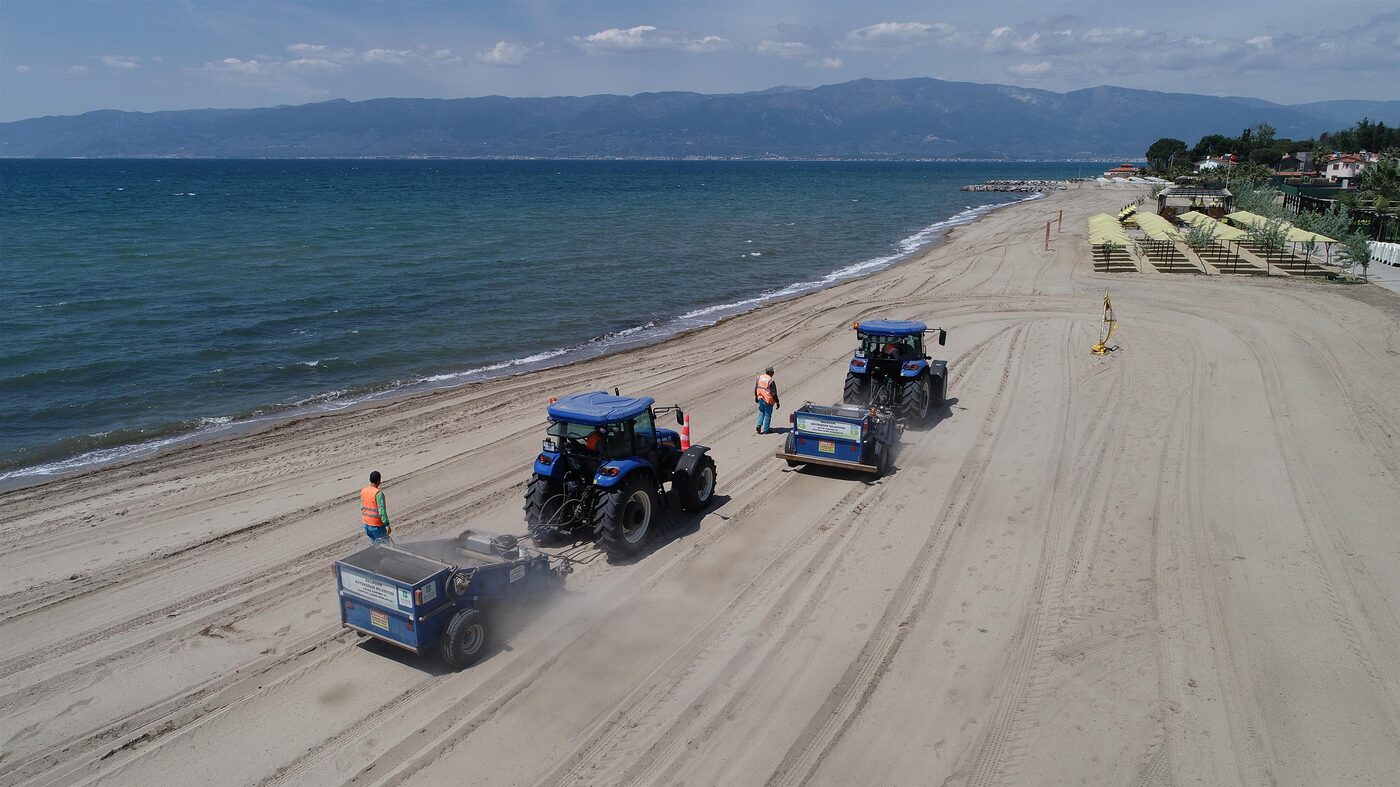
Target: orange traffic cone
685 433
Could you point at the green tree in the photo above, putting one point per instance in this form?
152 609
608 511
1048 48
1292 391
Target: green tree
1251 174
1269 237
1214 145
1199 238
1354 251
1164 153
1381 179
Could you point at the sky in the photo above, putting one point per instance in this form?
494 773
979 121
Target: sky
62 57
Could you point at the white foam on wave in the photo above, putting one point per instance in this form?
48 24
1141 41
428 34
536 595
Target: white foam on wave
906 247
204 428
601 345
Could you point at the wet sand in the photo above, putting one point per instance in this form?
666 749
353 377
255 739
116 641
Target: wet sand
1174 564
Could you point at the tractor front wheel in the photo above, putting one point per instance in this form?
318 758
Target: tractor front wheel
856 390
914 398
622 517
695 489
464 640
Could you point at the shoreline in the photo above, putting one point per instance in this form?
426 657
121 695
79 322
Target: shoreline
652 334
1096 564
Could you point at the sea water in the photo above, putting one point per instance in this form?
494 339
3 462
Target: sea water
148 301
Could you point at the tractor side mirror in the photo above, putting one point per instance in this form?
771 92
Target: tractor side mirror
680 416
942 337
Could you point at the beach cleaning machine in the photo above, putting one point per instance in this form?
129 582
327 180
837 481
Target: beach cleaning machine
841 435
441 596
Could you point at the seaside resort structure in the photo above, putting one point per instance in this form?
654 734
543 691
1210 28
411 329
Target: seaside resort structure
1216 242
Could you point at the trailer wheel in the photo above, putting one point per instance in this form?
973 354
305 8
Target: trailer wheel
790 447
696 490
464 640
914 398
856 390
622 517
882 460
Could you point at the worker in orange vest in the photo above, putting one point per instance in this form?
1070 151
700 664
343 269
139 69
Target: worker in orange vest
373 512
766 395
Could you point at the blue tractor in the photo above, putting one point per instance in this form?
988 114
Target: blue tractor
891 370
602 469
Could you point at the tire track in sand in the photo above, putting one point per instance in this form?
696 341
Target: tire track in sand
855 688
611 738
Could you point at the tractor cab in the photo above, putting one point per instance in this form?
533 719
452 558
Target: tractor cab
886 345
597 428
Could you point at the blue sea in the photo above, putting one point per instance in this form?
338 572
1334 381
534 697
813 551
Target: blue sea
150 301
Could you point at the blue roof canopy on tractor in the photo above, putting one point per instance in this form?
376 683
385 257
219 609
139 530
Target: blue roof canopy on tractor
891 327
598 408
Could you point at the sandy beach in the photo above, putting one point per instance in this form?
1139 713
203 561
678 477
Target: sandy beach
1176 564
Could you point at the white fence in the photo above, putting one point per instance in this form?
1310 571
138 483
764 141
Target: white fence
1388 253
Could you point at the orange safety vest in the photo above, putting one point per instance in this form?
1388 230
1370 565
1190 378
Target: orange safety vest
763 389
369 506
594 441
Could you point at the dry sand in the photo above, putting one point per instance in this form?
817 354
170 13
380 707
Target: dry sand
1178 564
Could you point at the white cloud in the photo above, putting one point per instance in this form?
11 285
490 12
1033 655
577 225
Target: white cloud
76 70
831 62
698 46
1114 35
395 57
649 38
504 53
787 49
888 35
309 64
22 69
1261 42
1030 69
118 61
306 50
304 60
233 65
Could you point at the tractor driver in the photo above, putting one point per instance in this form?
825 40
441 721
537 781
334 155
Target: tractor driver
894 350
594 441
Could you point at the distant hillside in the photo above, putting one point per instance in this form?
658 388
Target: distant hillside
908 118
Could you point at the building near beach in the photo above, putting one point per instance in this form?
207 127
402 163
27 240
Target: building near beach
1180 199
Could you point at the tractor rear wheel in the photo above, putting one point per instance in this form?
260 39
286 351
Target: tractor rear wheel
465 639
790 447
695 489
856 390
543 502
914 398
622 517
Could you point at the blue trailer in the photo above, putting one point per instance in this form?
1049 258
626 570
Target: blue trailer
440 596
841 435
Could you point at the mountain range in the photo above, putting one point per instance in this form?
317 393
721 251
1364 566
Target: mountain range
865 118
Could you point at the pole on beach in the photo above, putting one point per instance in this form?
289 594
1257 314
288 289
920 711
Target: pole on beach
1060 221
1047 236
